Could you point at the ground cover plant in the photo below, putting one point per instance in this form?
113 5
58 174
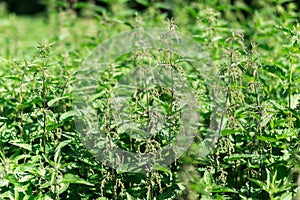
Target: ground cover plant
255 49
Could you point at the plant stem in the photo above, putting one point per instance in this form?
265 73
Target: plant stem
172 97
44 102
290 96
21 101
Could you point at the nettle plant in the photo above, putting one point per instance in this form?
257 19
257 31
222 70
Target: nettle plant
43 154
142 112
33 164
252 158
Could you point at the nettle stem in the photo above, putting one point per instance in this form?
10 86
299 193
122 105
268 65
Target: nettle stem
43 52
148 128
44 102
62 107
290 81
21 100
108 130
172 97
227 100
258 112
290 96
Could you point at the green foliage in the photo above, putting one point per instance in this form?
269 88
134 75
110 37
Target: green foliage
256 51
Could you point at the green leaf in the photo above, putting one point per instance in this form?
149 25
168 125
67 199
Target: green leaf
222 189
16 158
161 168
284 29
68 114
15 78
58 150
237 157
71 178
26 167
53 101
286 196
266 138
62 187
132 130
3 118
266 118
163 5
13 180
275 70
259 183
226 132
22 145
295 101
143 2
8 195
41 196
45 185
277 105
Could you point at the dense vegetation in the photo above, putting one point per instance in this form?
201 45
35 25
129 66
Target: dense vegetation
255 49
